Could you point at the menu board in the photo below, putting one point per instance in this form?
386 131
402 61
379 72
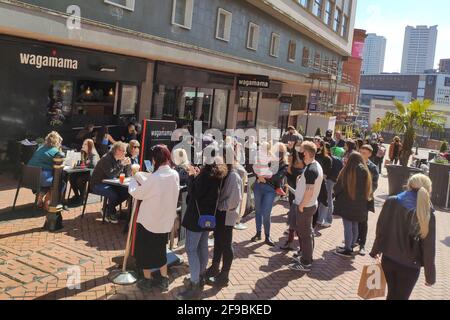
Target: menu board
155 132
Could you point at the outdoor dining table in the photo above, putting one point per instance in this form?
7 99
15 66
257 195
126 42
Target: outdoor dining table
68 171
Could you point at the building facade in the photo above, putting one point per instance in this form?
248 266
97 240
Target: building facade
419 49
374 54
228 63
444 66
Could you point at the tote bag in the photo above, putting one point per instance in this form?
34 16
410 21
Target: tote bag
373 282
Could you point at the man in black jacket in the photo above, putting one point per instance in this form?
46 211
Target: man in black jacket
366 153
111 166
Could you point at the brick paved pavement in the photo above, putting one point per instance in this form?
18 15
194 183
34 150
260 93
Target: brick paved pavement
33 262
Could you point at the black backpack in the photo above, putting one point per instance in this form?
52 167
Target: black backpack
336 166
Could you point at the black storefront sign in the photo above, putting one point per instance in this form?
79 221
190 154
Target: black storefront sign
29 67
156 132
253 82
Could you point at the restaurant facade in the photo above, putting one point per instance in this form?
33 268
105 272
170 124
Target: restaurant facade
46 87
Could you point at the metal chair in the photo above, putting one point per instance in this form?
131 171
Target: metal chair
30 179
87 191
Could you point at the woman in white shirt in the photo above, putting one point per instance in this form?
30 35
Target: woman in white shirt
159 193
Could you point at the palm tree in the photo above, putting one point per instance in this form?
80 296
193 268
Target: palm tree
407 118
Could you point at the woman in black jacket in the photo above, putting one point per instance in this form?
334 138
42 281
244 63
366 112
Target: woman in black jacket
353 191
406 238
204 187
324 158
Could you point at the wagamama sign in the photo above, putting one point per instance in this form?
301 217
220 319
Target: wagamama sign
40 61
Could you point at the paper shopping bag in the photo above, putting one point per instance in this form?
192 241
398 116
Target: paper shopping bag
373 282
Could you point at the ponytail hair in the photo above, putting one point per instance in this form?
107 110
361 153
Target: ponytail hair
422 184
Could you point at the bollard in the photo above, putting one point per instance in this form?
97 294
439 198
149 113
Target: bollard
54 218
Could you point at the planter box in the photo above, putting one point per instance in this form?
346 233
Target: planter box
398 177
439 174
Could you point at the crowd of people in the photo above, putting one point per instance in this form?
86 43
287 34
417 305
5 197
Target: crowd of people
322 179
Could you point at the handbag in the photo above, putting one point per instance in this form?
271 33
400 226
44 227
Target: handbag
373 282
207 221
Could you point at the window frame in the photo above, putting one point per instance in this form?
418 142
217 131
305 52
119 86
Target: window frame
292 43
227 31
129 6
272 37
188 15
255 36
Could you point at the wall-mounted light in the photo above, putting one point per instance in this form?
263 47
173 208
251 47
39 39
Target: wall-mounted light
104 69
88 91
111 92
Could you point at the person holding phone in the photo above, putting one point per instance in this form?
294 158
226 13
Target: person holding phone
111 166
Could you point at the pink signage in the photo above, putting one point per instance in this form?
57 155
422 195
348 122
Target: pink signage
357 51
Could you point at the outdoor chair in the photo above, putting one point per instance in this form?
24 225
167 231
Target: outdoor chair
29 179
86 196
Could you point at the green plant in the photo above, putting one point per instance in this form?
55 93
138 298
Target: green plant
440 160
318 132
444 147
407 118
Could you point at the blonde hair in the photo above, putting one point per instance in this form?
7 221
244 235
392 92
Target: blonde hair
53 139
180 157
119 146
279 148
310 147
422 184
266 147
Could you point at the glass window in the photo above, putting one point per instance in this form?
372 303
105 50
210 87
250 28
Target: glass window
220 109
248 106
305 58
204 104
95 98
303 3
344 28
317 8
337 20
292 51
328 12
223 31
60 102
253 36
126 4
182 13
129 100
275 45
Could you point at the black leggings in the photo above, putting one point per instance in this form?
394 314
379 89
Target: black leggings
401 280
362 231
223 243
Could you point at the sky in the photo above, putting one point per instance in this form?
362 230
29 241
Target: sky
389 18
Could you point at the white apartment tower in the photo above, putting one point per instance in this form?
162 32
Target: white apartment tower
374 54
419 49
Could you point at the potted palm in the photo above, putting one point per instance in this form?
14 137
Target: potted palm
405 121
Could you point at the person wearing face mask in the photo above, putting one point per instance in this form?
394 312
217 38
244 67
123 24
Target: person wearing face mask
295 170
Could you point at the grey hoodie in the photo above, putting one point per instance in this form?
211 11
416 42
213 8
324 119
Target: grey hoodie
231 196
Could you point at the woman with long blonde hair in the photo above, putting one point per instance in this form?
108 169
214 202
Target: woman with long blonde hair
406 238
353 192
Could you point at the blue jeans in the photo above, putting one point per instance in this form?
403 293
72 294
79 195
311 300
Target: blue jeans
264 197
197 251
326 213
350 233
115 195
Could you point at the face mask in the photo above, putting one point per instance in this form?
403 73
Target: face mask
298 149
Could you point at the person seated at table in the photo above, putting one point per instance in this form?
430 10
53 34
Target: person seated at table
133 151
131 133
159 193
43 158
111 166
86 133
182 164
90 158
103 140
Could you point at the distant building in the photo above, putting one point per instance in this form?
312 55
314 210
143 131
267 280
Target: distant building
419 49
374 54
444 66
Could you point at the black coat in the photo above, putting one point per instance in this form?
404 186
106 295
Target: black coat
353 210
375 177
205 189
397 235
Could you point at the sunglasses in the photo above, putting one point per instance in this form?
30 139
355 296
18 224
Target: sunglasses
136 147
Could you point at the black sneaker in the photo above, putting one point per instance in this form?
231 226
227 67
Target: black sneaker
269 242
187 282
193 292
145 284
256 238
344 253
112 218
162 283
300 267
221 281
212 272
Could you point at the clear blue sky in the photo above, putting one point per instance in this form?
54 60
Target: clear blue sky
390 17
